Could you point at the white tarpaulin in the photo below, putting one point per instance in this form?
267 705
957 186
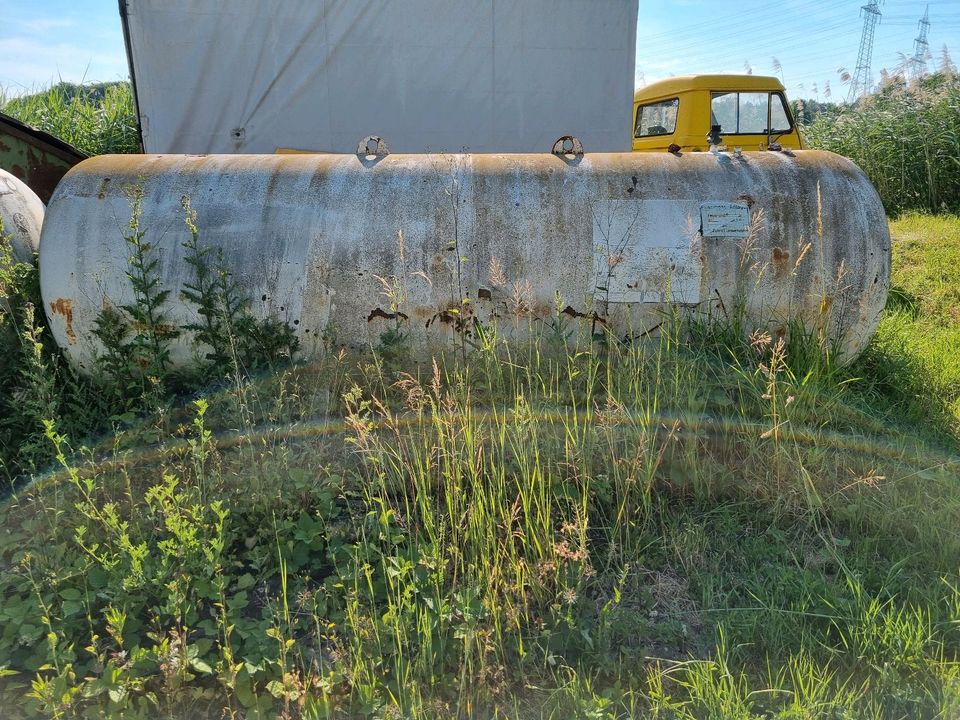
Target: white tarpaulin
251 76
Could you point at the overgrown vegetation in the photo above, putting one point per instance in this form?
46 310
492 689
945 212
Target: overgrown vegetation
135 373
96 119
905 137
699 525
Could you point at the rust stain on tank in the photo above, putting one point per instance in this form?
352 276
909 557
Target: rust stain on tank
570 312
64 307
449 316
781 258
161 329
380 313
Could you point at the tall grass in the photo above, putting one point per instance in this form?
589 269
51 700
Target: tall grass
905 137
695 525
95 119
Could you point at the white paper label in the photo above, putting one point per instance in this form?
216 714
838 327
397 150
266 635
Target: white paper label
720 219
647 251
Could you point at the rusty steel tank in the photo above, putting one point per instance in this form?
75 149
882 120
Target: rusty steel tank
22 215
347 248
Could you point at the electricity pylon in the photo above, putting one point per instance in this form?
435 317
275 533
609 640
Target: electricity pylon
921 48
862 82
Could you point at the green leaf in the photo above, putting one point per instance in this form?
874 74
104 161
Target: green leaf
246 581
201 666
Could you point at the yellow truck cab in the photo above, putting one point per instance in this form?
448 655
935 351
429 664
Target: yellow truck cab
751 111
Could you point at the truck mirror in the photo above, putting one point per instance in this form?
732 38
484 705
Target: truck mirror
714 137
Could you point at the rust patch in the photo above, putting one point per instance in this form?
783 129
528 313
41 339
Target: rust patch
459 318
570 312
380 313
64 307
161 328
781 259
447 317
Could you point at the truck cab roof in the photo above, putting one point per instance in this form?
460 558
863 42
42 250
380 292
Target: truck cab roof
686 83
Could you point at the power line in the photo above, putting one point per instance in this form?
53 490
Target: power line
696 31
754 40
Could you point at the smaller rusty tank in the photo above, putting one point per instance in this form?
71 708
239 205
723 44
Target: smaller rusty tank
22 214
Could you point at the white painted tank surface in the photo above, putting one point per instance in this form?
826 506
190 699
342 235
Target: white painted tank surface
22 214
347 247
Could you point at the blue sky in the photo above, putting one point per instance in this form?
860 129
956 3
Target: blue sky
42 41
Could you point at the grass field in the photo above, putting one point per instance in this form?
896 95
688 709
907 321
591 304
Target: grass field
922 319
699 527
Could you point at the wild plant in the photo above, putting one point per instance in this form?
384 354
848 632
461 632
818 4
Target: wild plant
150 344
39 400
137 336
231 339
394 342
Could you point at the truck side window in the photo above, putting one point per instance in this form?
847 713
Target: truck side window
752 107
723 106
779 117
659 118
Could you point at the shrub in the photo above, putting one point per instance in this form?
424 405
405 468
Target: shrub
905 137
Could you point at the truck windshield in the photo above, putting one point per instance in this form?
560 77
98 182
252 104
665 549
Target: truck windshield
659 118
746 113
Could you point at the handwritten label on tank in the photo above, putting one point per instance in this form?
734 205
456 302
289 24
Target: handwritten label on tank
721 219
647 251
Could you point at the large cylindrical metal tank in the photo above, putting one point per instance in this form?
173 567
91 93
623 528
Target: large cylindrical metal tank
346 248
22 214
